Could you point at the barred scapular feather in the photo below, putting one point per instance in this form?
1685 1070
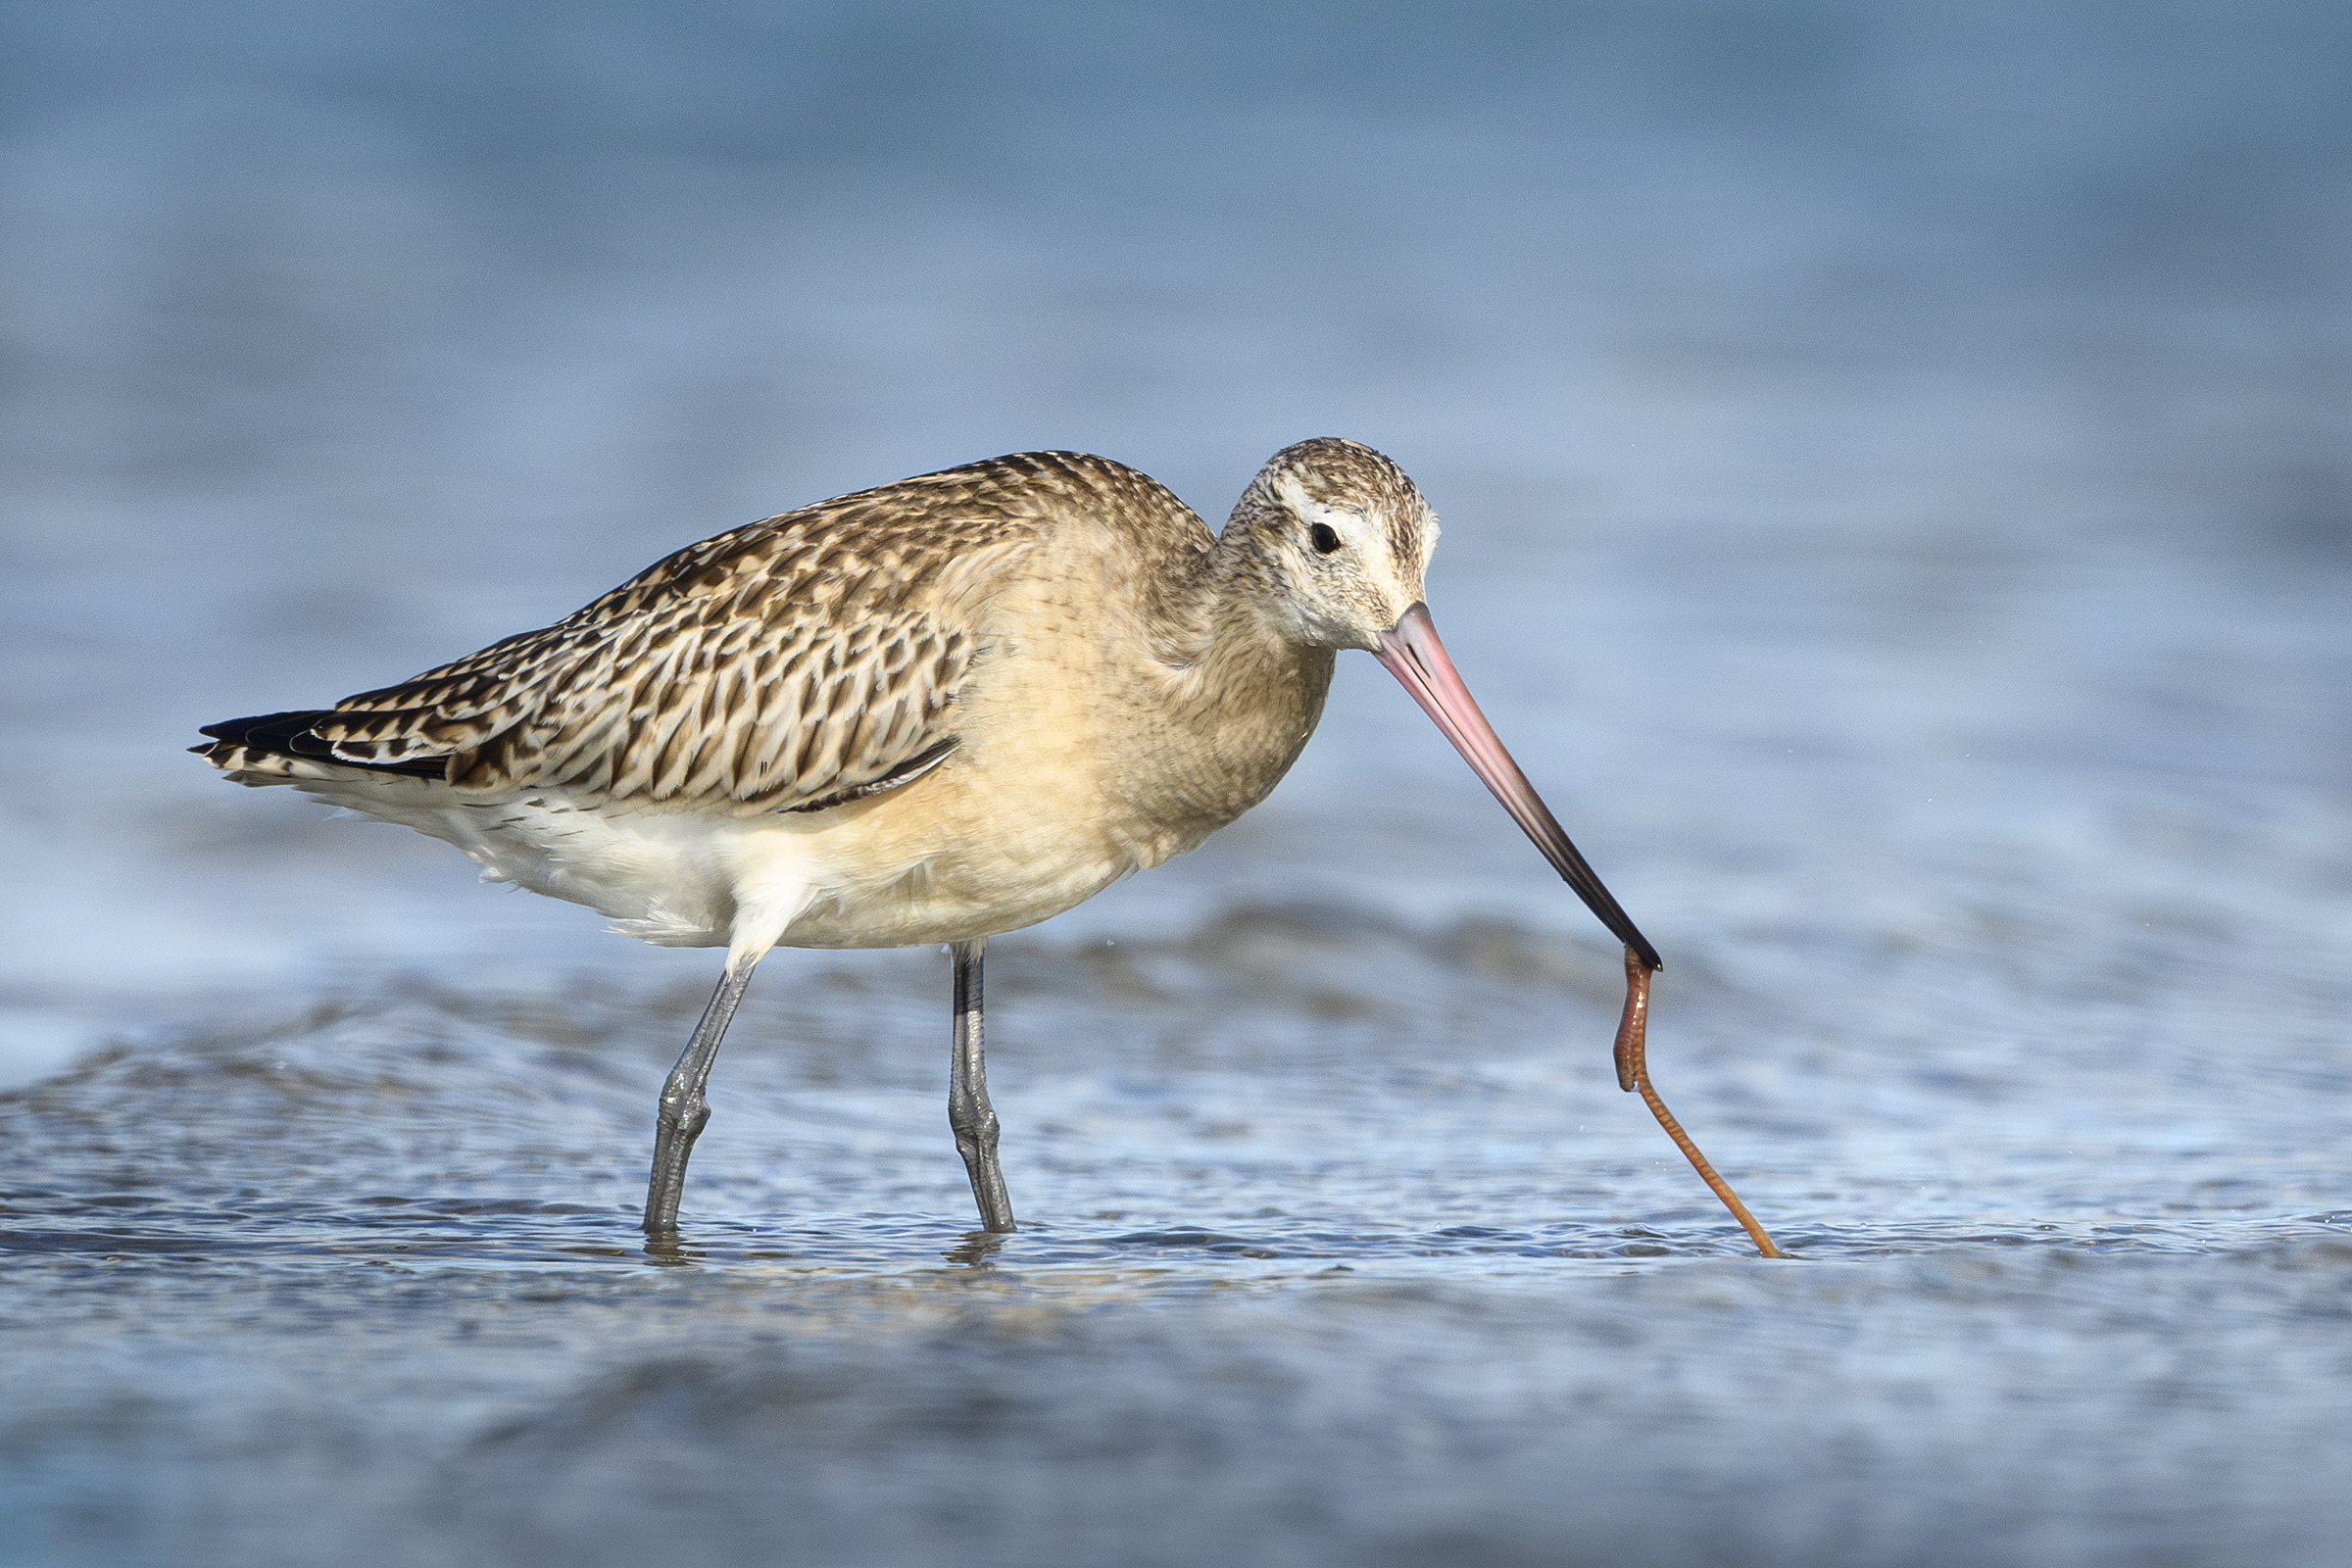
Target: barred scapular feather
804 660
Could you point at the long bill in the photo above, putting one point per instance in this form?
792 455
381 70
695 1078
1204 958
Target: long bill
1412 652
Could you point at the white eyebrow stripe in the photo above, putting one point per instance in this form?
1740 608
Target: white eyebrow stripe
1350 523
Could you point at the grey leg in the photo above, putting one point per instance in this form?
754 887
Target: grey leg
968 1111
683 1112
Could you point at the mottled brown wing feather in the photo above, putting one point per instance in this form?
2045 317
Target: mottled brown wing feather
794 662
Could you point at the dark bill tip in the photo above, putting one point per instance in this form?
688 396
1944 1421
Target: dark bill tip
1412 652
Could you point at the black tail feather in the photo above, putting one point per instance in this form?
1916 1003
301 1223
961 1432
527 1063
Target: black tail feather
291 735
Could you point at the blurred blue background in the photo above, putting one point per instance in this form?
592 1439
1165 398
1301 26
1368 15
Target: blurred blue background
1871 376
1898 506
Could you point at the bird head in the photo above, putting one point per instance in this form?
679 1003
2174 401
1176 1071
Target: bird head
1343 538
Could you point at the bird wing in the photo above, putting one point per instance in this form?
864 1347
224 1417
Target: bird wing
791 666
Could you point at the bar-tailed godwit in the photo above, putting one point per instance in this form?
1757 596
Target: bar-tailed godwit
930 712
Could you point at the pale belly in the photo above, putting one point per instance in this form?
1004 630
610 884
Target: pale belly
847 878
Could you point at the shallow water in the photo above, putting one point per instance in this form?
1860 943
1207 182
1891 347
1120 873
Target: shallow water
1896 510
1307 1277
1396 1277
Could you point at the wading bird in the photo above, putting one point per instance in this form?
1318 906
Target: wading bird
930 712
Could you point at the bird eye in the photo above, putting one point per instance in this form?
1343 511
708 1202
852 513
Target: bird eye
1324 537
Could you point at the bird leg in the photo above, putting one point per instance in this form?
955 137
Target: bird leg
683 1110
968 1109
1632 1076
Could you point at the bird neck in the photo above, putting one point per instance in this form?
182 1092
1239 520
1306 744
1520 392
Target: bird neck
1220 610
1245 689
